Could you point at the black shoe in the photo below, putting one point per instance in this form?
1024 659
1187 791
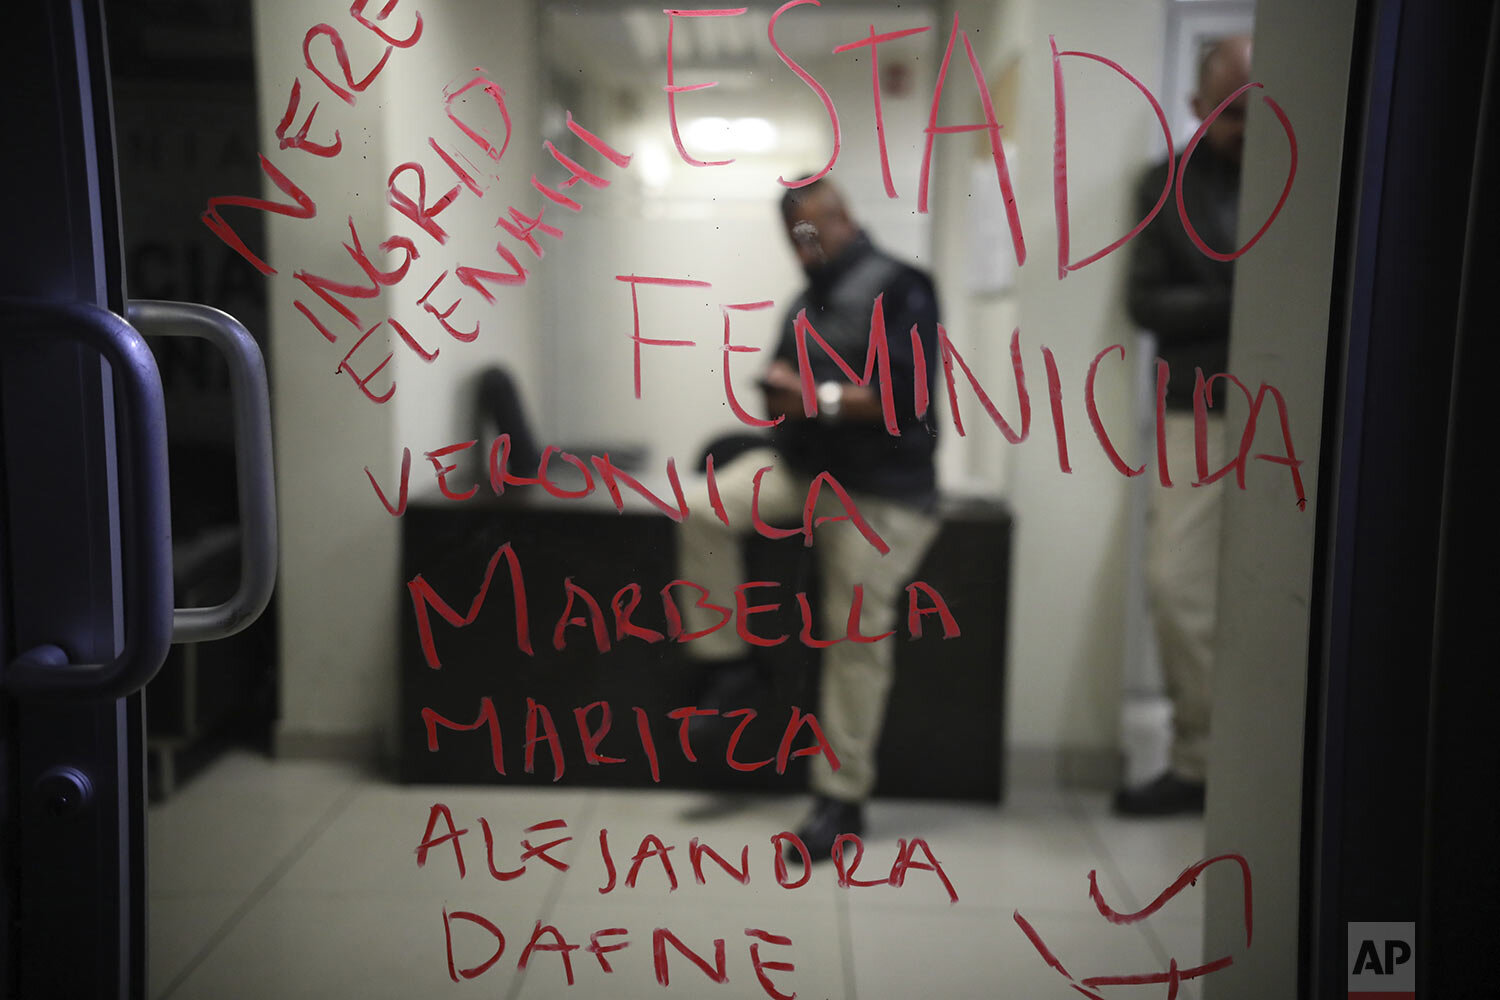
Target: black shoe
731 685
1167 795
725 687
829 818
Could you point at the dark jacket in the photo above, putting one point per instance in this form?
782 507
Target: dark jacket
1174 290
839 301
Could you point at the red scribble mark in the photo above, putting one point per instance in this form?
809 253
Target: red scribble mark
624 627
697 850
1092 405
1203 398
475 277
855 605
1173 975
915 612
303 208
591 738
846 871
635 309
487 718
1291 138
652 847
300 140
363 382
417 210
718 972
779 865
990 123
600 950
820 745
1290 459
1054 392
357 10
435 457
715 502
609 863
1163 377
906 860
451 159
873 41
479 136
453 836
541 851
919 374
674 617
423 596
734 740
612 476
463 336
814 85
341 53
1060 161
555 196
851 514
597 144
427 356
326 288
522 226
328 334
734 404
761 967
529 850
1023 399
558 944
877 360
684 718
489 856
595 619
744 609
673 88
543 473
453 972
400 507
806 637
648 743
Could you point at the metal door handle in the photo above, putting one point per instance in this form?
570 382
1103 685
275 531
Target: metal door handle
250 401
145 526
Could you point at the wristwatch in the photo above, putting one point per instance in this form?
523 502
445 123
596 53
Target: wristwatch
830 400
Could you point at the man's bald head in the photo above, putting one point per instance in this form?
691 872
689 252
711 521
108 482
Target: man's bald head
818 223
1225 68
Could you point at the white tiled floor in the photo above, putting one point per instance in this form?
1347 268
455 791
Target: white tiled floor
300 879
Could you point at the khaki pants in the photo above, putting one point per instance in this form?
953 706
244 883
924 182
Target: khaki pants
856 676
1182 576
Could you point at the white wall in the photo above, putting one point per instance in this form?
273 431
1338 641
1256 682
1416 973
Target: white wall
339 589
1280 332
1068 573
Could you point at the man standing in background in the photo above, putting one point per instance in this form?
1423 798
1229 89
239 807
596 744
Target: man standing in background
891 478
1183 297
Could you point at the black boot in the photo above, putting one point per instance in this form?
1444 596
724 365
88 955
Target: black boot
1167 795
730 685
829 818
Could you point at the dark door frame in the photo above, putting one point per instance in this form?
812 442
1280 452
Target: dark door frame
1400 793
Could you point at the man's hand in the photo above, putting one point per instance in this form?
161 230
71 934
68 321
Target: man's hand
783 390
